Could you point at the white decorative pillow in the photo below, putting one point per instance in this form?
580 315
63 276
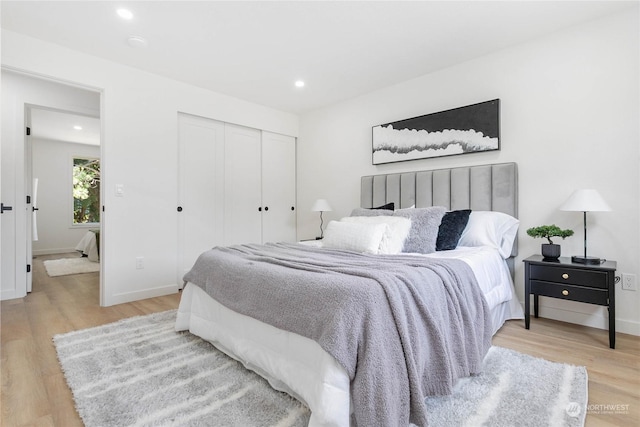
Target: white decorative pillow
354 236
397 232
495 229
424 226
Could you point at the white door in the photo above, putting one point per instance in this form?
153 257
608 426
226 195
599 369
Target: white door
13 245
278 187
242 195
200 188
8 220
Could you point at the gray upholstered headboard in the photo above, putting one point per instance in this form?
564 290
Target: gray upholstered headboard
483 188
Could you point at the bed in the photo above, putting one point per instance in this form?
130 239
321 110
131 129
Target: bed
312 368
89 245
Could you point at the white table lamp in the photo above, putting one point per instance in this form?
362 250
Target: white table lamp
321 205
585 201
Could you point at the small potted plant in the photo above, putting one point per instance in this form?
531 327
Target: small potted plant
549 250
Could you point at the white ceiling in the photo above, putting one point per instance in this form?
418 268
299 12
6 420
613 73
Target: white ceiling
59 126
255 50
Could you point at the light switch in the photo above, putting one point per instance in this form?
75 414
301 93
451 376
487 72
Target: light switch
119 190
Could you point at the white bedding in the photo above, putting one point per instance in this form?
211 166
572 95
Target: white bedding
490 269
298 365
88 246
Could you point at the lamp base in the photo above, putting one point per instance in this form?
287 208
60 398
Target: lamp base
588 260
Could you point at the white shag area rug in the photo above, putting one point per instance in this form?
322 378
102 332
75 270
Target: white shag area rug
66 266
140 372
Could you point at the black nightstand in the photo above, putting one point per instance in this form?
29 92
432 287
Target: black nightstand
593 284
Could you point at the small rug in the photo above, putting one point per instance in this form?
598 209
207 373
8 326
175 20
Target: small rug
66 266
140 372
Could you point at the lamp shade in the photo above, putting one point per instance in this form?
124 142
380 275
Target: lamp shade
585 201
321 205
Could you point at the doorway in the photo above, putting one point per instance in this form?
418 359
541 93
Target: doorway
64 152
23 94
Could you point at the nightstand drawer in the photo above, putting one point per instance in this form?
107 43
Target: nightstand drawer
572 276
570 292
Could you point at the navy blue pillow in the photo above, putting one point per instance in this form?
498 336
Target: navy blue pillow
451 228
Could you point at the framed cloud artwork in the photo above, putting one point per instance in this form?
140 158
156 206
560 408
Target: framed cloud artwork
470 129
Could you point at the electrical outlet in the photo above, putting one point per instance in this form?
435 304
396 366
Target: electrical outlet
629 282
140 262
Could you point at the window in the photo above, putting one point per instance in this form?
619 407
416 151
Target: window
86 191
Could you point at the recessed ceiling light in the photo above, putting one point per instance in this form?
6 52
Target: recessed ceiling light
299 83
76 127
125 14
137 41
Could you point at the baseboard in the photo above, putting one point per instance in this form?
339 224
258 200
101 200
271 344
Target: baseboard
628 327
53 251
125 297
596 318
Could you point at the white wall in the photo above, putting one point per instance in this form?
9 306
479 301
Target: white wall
139 149
569 118
52 165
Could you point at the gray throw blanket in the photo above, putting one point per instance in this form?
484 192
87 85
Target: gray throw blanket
403 327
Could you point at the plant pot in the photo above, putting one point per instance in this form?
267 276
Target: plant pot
550 251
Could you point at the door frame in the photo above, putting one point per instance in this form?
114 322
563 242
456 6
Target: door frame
28 153
28 187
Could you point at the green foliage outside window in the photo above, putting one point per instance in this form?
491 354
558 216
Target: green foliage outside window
86 191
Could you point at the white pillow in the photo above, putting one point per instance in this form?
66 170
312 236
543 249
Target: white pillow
354 236
397 232
495 229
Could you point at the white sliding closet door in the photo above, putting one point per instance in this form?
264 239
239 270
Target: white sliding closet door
278 188
242 198
200 188
236 185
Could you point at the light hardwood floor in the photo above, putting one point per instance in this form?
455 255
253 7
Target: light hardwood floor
34 391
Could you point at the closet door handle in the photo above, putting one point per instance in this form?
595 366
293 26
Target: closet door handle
293 208
5 208
179 208
266 208
260 209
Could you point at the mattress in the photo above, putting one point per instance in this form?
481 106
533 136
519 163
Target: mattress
299 366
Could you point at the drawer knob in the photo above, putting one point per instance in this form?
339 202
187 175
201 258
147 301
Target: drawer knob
565 292
565 276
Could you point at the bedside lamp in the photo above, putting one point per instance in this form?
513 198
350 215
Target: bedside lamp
321 205
585 201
